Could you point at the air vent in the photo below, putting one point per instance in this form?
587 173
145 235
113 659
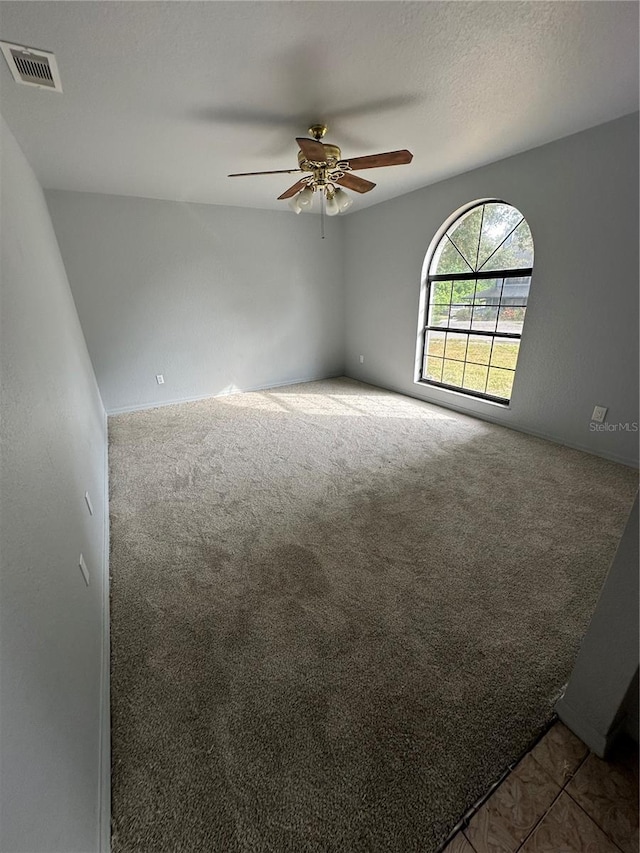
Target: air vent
32 67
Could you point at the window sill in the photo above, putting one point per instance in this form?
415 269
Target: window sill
460 395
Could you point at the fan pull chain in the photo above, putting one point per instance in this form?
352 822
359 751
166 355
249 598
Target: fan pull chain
322 213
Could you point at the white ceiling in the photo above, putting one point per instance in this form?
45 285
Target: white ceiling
163 99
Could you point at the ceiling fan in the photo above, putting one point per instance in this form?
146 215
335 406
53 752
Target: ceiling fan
328 173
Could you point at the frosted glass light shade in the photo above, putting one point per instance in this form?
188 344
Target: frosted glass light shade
305 197
332 207
343 200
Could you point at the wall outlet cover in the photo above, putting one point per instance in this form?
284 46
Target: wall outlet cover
599 414
160 379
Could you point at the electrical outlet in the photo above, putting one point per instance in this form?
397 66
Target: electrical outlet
84 569
160 379
599 414
88 501
361 359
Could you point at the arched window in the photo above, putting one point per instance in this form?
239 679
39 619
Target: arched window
477 290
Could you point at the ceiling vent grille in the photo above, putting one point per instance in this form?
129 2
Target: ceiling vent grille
32 67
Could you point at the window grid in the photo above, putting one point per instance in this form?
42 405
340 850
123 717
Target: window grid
515 227
435 376
464 320
460 253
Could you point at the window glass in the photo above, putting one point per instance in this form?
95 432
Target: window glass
475 320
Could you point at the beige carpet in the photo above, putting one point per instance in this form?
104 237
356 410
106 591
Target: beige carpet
337 615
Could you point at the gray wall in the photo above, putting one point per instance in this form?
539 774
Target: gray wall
598 700
214 298
51 625
580 341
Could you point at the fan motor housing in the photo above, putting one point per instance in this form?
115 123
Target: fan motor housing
331 152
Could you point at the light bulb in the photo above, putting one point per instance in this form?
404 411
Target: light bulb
332 205
343 200
294 204
305 197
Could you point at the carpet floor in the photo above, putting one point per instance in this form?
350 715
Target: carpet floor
337 614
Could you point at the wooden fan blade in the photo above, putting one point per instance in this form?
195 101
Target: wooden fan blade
312 150
353 182
299 185
276 172
373 161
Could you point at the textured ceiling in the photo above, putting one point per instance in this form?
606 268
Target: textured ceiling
164 99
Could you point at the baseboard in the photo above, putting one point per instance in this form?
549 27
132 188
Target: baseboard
612 457
597 742
104 840
123 410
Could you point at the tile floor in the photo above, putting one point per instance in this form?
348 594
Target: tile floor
560 798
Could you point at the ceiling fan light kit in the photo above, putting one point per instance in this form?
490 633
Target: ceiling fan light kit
328 173
294 204
331 205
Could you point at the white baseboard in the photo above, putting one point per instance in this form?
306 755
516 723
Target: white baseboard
104 840
123 410
613 457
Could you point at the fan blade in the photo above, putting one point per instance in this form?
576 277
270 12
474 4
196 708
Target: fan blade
353 182
312 150
276 172
373 161
299 185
